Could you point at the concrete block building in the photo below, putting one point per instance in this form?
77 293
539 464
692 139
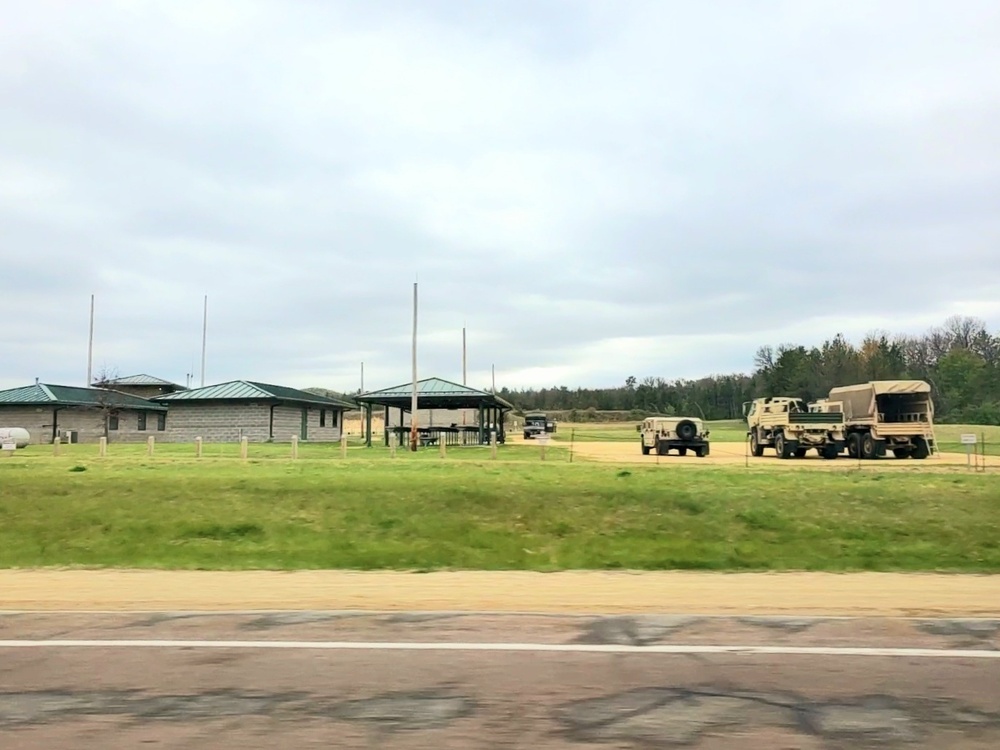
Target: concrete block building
77 414
260 412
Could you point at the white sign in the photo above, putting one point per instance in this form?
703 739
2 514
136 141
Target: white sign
969 439
9 447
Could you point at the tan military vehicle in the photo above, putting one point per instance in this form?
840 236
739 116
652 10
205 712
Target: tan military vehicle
791 427
661 435
887 415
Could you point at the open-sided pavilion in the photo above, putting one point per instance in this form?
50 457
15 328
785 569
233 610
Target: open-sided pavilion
437 394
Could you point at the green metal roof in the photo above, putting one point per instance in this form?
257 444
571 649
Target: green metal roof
433 391
46 394
139 380
247 390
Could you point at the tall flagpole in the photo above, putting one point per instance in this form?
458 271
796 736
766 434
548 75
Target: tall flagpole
413 398
204 340
90 346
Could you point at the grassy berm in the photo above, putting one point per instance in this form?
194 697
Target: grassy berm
477 514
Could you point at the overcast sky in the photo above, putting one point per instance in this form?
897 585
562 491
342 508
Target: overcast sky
597 189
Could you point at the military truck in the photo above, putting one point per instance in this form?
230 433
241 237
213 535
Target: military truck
887 415
792 428
537 423
664 434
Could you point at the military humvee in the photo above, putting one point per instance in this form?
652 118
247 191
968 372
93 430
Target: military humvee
664 434
791 427
537 423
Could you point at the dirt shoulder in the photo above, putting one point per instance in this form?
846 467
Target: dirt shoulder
814 594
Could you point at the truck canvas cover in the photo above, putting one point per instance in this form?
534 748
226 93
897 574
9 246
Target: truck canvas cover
859 400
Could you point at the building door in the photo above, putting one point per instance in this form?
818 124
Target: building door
305 424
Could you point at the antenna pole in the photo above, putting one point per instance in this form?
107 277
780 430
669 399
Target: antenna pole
204 340
413 399
90 346
464 372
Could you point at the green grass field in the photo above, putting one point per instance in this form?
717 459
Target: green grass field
418 512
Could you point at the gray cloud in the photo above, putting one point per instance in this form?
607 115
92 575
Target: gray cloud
596 190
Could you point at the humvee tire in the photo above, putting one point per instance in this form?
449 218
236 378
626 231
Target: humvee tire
686 430
702 452
645 450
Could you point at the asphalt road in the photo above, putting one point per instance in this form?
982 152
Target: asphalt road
460 680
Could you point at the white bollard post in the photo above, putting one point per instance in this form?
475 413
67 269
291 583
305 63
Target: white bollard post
442 446
150 445
493 443
243 447
295 446
343 445
197 447
392 448
56 442
102 449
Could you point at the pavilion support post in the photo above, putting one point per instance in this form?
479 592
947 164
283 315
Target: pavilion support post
482 427
368 425
385 429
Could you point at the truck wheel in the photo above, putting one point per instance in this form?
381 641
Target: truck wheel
702 452
869 451
828 451
854 445
755 447
921 449
800 452
781 446
686 430
645 450
901 452
682 451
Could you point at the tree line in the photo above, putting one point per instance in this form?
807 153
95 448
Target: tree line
960 359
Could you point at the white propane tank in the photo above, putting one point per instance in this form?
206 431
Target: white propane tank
16 435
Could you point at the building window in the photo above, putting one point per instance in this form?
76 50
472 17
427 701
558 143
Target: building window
142 420
161 421
113 422
322 417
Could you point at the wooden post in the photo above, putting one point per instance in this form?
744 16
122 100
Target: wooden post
542 443
493 443
343 444
392 448
197 447
442 446
102 447
243 447
56 442
295 446
150 443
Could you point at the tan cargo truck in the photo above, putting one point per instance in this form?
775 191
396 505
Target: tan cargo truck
887 415
791 427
